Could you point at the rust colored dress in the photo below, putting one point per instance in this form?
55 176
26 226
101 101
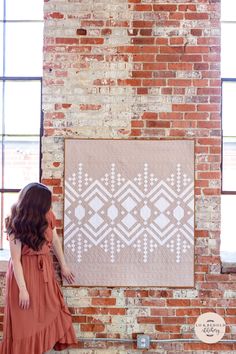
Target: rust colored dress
47 323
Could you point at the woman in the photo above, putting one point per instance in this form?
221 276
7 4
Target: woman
36 318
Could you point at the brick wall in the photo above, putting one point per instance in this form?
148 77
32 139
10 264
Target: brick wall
141 69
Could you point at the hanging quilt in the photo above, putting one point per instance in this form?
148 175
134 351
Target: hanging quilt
129 212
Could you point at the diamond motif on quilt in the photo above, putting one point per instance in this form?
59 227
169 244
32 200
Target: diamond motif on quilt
129 204
125 219
96 221
96 203
79 212
191 221
178 213
162 221
145 212
112 212
162 204
129 221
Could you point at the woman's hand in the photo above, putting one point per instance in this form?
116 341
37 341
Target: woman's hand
67 274
24 300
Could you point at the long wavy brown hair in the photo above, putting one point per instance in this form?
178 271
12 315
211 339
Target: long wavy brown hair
27 221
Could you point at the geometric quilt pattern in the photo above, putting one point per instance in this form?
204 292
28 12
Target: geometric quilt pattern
128 214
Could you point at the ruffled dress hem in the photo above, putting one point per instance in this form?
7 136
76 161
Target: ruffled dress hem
59 335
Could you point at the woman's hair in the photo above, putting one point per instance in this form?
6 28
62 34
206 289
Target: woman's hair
28 216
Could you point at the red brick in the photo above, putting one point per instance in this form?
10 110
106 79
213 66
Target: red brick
149 115
177 40
149 58
208 175
143 24
154 82
161 41
154 66
142 74
51 182
89 327
135 132
129 82
171 115
92 40
67 41
187 7
56 164
155 320
200 82
106 31
196 16
191 58
196 32
183 107
188 312
209 141
57 190
176 16
196 116
143 40
57 15
142 7
171 49
145 32
166 90
81 32
115 23
137 123
167 58
136 293
167 328
142 91
178 302
177 132
157 124
103 301
179 82
92 23
164 8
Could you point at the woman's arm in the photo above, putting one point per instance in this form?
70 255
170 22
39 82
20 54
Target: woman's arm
15 250
65 270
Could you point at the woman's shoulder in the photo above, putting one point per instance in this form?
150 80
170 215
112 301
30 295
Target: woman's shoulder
51 219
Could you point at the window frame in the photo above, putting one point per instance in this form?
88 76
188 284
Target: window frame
223 191
3 135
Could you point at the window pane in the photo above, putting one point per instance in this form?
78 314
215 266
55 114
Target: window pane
229 108
24 9
1 105
228 10
21 162
228 51
229 164
24 49
1 10
22 107
228 224
1 49
7 200
1 162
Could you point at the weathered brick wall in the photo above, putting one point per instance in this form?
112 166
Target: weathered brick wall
141 69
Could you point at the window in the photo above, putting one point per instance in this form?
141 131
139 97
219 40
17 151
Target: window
21 43
228 74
